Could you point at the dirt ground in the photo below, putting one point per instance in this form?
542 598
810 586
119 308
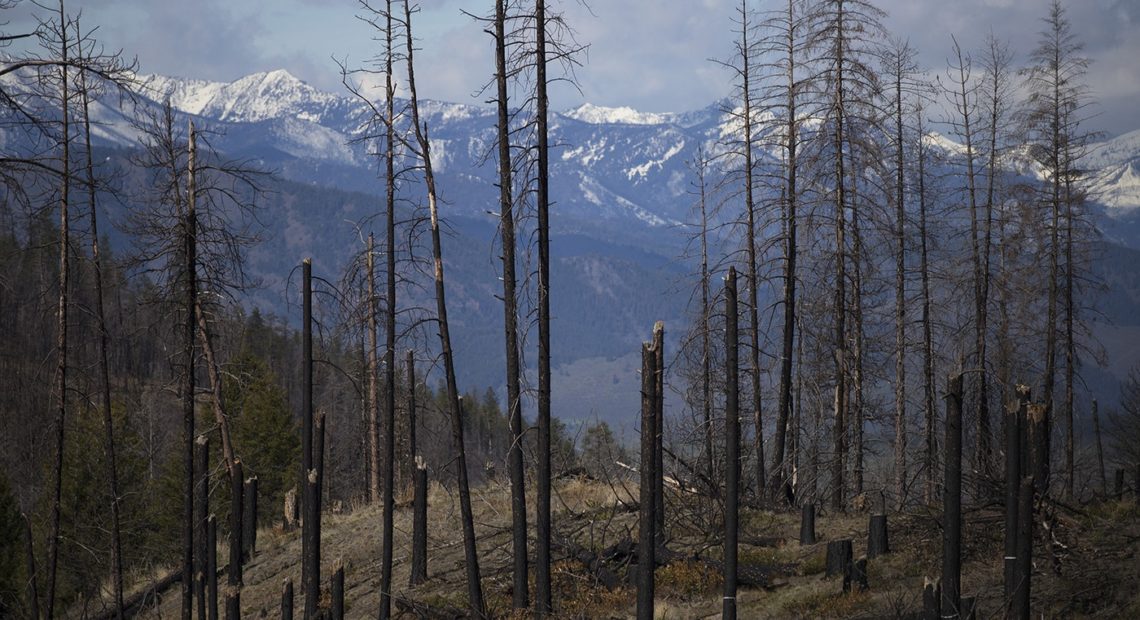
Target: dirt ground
1085 560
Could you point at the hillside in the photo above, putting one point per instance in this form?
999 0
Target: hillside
1082 558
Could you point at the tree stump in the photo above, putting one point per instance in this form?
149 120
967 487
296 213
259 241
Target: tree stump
839 556
931 599
807 525
338 591
877 537
419 525
859 575
249 518
287 599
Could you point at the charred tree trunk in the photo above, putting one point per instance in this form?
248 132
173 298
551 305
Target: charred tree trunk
952 500
474 586
930 452
388 424
233 572
931 599
338 592
877 542
1024 548
412 449
1013 431
212 568
190 292
659 435
1038 437
732 443
419 526
520 588
287 600
32 593
249 518
646 557
306 419
807 524
542 595
839 559
201 517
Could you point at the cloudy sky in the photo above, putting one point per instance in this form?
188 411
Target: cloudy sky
653 55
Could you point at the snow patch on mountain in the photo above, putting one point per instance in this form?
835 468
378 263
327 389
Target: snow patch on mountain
623 115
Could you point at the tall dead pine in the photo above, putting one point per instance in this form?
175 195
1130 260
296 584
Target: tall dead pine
952 501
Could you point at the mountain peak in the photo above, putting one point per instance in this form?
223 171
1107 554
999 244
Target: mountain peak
622 115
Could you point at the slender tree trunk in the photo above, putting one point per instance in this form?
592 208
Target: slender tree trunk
952 501
706 334
233 571
732 444
306 422
412 452
781 482
520 589
1013 431
474 587
190 291
389 421
202 514
214 375
900 291
103 368
61 316
543 596
840 403
930 459
658 435
857 408
373 380
1070 343
419 526
212 568
750 240
647 523
32 594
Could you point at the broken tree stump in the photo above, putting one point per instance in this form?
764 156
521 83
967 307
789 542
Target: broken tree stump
287 599
807 525
931 599
338 591
249 517
647 521
839 558
419 525
877 543
233 572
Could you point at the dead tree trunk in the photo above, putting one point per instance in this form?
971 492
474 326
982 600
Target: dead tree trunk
287 600
190 291
542 593
931 599
520 588
212 568
419 526
646 561
338 591
1014 427
32 593
1038 437
306 418
839 558
1024 548
659 435
732 443
233 572
388 423
249 518
474 586
412 458
807 525
952 500
877 542
201 515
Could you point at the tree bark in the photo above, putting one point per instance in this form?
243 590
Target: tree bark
543 595
233 572
287 600
474 586
807 524
732 443
1014 427
520 589
647 522
201 517
877 542
839 558
249 518
419 527
952 500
